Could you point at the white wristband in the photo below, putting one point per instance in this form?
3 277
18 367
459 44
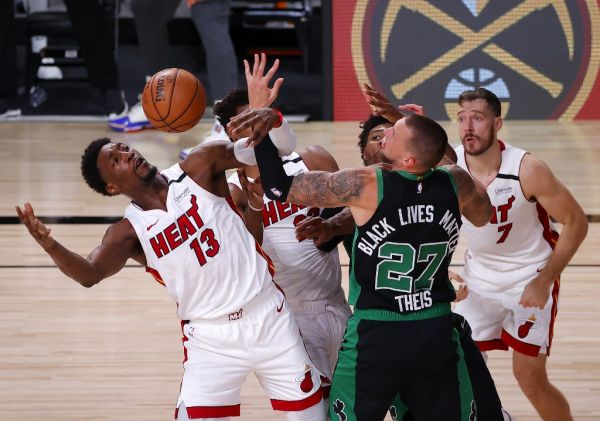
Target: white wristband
243 153
255 209
283 138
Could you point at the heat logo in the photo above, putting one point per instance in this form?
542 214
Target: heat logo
527 325
305 379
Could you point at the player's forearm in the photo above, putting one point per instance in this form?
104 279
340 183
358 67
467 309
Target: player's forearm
341 223
276 183
254 223
571 237
73 265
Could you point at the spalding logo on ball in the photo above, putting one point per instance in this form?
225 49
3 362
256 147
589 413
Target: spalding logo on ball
174 100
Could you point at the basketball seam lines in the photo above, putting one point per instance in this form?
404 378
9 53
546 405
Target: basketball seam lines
186 109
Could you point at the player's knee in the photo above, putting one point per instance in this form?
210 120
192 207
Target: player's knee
532 378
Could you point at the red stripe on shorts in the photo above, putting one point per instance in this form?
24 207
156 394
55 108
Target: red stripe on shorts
211 411
522 347
312 400
491 345
554 311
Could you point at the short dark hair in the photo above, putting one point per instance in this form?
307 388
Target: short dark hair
227 107
482 93
429 139
89 166
368 125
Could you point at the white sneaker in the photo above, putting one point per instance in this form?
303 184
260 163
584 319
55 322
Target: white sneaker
10 113
131 121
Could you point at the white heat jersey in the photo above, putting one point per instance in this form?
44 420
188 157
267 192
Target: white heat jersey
303 271
200 250
520 232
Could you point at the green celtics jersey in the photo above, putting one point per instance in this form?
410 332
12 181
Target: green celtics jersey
400 257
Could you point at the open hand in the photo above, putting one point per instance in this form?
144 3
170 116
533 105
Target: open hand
37 229
259 93
380 105
315 228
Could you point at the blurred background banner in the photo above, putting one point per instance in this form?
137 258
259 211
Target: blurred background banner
541 58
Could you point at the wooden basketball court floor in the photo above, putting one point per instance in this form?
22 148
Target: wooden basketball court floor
113 352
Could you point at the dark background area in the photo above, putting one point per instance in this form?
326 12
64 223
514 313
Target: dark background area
304 91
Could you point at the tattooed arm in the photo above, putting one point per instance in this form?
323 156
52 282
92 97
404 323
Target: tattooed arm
352 187
356 188
326 190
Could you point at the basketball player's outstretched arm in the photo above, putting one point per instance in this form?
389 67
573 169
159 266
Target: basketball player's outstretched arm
473 200
540 184
353 187
105 260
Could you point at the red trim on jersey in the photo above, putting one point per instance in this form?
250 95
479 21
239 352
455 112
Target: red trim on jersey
549 234
260 251
211 411
156 275
233 206
491 345
553 313
258 247
312 400
502 145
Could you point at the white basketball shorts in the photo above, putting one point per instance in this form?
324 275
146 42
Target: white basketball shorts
497 319
322 325
262 337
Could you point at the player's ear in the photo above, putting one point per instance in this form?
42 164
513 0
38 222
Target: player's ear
112 189
498 123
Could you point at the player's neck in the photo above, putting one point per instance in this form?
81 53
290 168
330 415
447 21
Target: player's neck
485 166
153 195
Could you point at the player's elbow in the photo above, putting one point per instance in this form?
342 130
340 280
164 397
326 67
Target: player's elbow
88 282
583 225
482 216
479 221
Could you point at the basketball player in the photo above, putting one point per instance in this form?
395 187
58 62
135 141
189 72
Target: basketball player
401 338
309 276
489 407
513 263
182 225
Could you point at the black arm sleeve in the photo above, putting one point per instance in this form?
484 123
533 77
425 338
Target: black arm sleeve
276 183
331 244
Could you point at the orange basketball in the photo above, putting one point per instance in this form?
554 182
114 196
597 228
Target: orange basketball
174 100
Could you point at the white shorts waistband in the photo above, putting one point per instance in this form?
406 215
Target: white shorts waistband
256 303
317 306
